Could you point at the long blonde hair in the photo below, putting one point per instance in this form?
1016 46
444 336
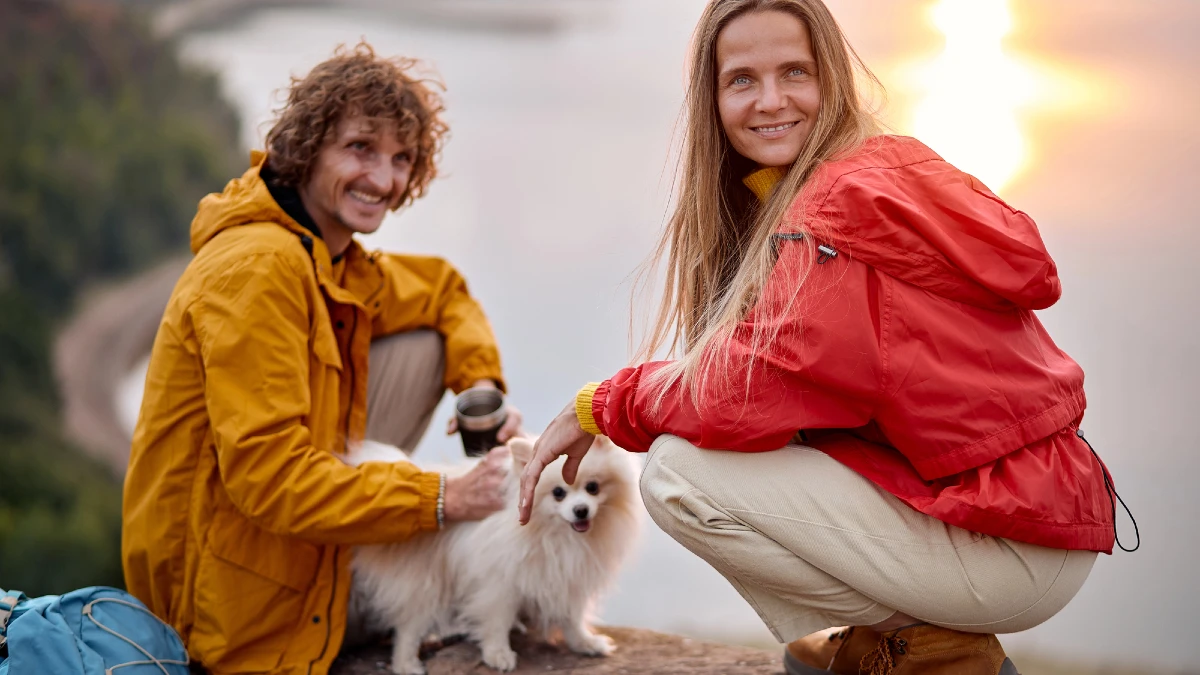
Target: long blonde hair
717 244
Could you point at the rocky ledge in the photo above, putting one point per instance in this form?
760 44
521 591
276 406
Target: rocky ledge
639 652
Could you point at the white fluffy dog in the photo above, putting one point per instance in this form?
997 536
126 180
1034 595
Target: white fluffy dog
484 578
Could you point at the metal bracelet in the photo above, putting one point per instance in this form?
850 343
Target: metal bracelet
441 501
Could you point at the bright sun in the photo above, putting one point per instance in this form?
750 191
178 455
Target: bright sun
971 93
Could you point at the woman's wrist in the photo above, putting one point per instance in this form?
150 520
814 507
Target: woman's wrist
583 408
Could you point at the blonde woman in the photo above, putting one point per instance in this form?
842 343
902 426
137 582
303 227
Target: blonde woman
866 424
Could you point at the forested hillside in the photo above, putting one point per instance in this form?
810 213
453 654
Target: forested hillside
107 141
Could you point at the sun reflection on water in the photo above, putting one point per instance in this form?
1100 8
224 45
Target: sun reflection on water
972 92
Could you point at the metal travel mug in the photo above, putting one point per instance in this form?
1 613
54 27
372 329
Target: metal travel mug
480 412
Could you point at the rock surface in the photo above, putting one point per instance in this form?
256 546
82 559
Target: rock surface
639 652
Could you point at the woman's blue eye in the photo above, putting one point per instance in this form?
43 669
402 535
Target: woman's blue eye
799 71
741 80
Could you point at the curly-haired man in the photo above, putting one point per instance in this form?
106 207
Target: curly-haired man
238 514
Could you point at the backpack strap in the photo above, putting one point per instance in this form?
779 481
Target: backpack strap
8 603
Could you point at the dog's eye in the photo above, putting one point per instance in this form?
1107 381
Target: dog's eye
559 494
592 488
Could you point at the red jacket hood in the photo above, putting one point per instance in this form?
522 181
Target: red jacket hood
907 212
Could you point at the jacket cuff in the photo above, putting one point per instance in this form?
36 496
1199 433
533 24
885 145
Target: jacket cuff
428 486
583 408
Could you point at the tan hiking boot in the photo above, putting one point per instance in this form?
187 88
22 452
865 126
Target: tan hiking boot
835 650
931 650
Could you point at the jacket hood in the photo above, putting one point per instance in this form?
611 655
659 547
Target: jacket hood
244 200
897 206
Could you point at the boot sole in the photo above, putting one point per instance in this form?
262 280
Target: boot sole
793 666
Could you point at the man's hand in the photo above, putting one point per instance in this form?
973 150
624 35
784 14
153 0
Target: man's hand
512 421
480 492
564 436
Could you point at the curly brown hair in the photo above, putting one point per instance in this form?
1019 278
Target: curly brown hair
358 82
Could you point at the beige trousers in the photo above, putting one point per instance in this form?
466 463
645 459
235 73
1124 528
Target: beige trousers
405 376
811 544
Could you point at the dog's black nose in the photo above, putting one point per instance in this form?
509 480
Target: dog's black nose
581 512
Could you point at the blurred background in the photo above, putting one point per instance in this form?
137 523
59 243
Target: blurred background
116 117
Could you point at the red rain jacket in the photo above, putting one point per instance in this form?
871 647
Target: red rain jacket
913 356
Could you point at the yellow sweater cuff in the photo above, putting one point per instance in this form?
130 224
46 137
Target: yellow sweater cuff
583 408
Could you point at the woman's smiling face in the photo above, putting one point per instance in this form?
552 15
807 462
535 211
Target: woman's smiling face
768 93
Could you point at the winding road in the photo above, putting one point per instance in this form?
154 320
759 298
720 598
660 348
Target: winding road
111 332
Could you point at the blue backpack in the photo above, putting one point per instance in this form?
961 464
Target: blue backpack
91 631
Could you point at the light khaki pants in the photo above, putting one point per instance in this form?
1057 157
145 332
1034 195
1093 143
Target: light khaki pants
811 544
405 378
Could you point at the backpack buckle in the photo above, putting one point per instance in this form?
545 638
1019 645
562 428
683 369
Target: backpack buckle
8 604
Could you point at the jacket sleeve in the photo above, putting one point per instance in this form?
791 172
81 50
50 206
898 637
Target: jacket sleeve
253 329
427 292
822 370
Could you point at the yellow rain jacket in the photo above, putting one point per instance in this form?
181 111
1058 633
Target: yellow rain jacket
238 514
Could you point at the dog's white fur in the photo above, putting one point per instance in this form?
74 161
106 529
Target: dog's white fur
483 578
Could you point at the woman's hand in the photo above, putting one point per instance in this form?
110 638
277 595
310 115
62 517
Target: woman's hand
564 436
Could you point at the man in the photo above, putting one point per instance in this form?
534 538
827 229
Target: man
238 514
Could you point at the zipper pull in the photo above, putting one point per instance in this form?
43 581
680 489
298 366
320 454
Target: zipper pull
827 252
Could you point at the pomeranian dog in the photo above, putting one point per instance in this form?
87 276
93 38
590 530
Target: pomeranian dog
483 578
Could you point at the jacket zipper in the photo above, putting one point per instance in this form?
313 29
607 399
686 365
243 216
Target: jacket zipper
337 549
307 242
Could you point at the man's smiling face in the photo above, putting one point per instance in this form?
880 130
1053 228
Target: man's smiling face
360 174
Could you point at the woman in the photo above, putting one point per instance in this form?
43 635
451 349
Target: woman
857 296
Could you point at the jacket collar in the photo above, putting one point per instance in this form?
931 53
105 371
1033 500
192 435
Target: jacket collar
248 199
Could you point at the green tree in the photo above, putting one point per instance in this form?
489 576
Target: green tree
107 142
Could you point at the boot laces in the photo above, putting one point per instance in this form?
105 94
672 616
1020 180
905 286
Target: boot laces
879 661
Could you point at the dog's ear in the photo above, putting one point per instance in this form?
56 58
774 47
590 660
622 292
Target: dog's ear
522 449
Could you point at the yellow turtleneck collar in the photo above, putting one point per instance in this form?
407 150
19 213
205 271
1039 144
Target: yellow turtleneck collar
762 181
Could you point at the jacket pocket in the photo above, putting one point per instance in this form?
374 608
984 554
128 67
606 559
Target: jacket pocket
252 589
